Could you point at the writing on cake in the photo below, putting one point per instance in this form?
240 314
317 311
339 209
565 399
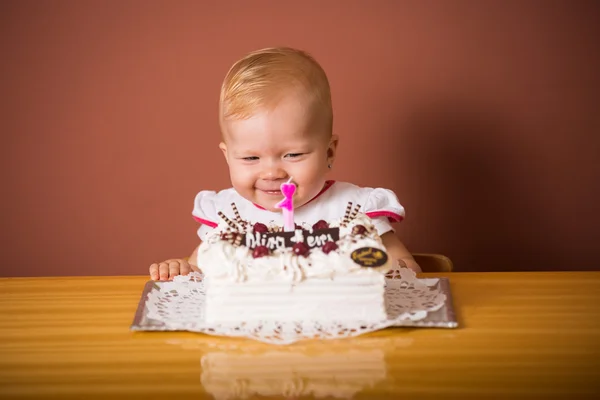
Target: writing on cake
279 240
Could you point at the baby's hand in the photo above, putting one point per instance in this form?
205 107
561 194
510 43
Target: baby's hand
167 269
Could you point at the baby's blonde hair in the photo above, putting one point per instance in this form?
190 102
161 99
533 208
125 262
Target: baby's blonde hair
260 80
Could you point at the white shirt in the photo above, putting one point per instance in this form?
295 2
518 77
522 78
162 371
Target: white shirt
381 205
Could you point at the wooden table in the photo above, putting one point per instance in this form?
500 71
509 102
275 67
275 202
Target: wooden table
521 335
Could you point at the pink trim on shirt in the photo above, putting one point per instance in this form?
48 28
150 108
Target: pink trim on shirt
205 222
328 184
392 216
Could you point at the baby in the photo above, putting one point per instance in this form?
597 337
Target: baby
276 121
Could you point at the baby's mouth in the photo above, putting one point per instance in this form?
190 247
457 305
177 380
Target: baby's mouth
272 192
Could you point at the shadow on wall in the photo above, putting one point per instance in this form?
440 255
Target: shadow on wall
472 182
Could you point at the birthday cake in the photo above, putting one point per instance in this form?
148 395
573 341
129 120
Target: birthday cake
330 271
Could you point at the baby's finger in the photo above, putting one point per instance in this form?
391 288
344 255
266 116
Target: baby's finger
195 268
163 270
173 269
184 268
154 271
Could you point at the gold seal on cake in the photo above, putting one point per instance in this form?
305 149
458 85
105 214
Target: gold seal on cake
369 257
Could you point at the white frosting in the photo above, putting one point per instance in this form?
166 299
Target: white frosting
220 259
348 298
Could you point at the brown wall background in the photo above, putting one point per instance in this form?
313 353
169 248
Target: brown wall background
482 116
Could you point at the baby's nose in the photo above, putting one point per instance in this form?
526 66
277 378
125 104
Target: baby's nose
273 171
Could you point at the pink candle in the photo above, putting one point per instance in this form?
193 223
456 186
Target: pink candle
287 205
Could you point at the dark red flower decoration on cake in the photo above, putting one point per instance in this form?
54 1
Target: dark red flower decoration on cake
261 228
260 251
321 224
359 230
329 247
300 249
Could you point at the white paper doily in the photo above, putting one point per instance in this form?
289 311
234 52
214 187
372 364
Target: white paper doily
179 305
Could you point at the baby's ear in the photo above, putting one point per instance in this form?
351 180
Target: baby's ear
332 149
223 148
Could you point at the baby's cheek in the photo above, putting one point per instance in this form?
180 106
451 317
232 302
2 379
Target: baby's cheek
313 173
311 182
240 175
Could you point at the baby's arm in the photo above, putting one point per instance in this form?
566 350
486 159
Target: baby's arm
398 251
167 269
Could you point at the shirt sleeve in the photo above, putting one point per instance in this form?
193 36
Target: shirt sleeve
205 212
383 207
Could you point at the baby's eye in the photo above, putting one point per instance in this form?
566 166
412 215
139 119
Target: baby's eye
253 158
293 155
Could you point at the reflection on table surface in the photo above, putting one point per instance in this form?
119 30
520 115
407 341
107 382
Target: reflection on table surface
520 335
310 369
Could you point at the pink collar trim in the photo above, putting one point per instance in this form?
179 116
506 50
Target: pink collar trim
328 184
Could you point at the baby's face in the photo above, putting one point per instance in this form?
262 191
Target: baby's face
267 149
